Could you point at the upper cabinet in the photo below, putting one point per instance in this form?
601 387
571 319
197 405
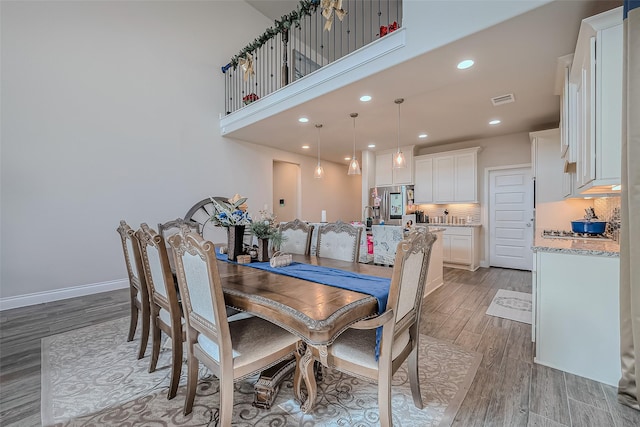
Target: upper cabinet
450 177
594 104
423 188
547 165
385 173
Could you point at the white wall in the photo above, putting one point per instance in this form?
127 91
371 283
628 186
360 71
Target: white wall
285 187
110 111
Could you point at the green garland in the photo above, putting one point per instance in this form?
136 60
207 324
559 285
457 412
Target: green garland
305 8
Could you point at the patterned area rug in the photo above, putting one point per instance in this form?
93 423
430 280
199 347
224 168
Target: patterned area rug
90 376
511 305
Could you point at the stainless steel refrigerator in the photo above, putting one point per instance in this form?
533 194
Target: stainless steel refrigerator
390 203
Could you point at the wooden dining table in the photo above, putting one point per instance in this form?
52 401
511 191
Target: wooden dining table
315 312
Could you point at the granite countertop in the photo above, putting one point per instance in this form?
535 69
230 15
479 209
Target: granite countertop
608 248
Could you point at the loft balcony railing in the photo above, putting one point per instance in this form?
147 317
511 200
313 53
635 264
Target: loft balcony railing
302 42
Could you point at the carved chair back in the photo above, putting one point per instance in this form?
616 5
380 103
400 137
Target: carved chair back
297 237
339 241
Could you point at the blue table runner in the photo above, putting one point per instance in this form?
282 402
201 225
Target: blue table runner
363 283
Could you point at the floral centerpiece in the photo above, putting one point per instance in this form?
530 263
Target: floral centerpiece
265 228
233 215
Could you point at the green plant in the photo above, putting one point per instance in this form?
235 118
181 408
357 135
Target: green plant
265 227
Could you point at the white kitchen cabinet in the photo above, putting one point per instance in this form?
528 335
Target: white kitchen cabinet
386 174
576 314
449 177
547 165
423 187
465 182
596 74
460 247
444 177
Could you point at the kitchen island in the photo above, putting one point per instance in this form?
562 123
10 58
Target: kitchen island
385 242
576 322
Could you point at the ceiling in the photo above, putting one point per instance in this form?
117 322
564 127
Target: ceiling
518 57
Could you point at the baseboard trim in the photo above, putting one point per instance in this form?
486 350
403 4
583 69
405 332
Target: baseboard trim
60 294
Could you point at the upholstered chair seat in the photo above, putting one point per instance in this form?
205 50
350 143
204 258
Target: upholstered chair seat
250 339
357 348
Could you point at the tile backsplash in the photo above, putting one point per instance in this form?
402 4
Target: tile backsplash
460 210
608 209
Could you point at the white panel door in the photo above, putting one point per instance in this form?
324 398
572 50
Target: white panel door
510 218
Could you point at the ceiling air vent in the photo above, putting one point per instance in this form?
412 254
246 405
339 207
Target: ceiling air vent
503 99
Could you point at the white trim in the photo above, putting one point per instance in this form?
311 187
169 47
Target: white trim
485 207
59 294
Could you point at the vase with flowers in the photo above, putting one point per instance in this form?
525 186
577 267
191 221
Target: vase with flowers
233 215
265 228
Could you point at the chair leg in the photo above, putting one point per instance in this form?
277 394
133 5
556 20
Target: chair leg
414 378
384 398
155 342
226 400
192 382
144 338
176 365
134 319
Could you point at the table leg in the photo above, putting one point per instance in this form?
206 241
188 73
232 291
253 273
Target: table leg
297 376
306 370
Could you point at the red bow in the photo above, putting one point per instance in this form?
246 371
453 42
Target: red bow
384 30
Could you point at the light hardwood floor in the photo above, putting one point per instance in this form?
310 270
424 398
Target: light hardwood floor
508 390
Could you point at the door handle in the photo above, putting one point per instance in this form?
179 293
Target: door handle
528 224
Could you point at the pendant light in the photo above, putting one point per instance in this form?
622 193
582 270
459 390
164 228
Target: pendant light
354 166
319 171
398 158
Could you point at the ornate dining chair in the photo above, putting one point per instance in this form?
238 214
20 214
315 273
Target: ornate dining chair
166 315
297 237
339 241
137 285
354 351
231 350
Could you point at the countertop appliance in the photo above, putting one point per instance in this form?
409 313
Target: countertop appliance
390 203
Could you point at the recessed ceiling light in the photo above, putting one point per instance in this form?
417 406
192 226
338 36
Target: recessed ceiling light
347 158
306 147
365 98
423 136
371 145
494 122
303 120
467 63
